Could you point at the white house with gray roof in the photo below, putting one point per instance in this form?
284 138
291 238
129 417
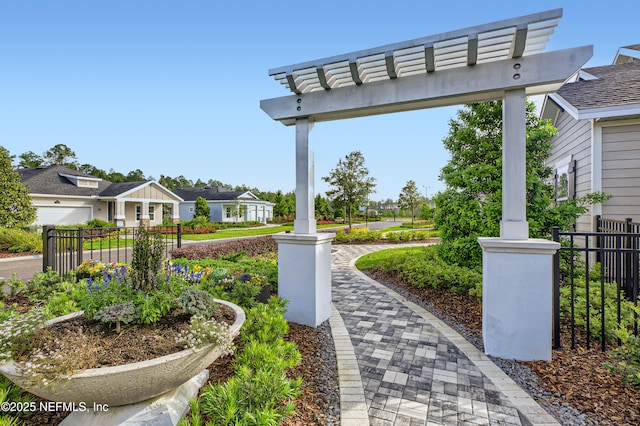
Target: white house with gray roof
225 205
597 147
63 196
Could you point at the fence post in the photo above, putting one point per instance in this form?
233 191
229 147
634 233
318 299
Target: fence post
556 291
48 248
179 235
80 247
629 267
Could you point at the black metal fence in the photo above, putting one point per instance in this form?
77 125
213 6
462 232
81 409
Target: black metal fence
622 269
591 266
64 249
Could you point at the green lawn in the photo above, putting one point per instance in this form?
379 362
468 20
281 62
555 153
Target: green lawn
370 260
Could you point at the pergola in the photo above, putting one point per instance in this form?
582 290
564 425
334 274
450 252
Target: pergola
500 60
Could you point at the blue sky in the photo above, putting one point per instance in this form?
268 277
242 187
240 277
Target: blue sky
173 87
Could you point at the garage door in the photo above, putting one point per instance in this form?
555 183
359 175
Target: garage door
63 215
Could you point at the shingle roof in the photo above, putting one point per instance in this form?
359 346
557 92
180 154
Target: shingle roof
632 47
208 193
117 188
616 85
50 180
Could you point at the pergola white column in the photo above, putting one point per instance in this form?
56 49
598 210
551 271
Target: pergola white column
305 222
304 257
516 270
514 225
500 60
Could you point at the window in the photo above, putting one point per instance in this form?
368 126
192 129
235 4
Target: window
152 213
229 212
564 179
138 212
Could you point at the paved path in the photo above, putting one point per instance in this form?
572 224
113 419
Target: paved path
400 365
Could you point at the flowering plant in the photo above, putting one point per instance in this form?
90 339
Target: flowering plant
96 268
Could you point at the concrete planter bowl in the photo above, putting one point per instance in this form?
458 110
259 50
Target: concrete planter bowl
130 383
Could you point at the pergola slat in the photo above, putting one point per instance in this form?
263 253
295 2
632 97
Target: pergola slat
510 38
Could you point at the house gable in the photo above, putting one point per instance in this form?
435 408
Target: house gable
606 92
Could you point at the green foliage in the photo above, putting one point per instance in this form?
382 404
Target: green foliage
350 182
99 223
20 241
12 394
464 252
148 251
595 305
322 206
259 392
265 322
202 209
426 212
627 355
153 305
197 302
61 304
221 276
285 204
117 313
61 155
471 205
236 264
410 198
421 267
360 235
15 201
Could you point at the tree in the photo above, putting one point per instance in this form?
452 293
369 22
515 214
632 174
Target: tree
410 198
136 175
323 209
202 209
61 155
15 202
471 204
29 160
351 182
285 205
426 212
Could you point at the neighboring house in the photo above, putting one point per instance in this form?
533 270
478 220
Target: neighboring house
225 205
63 196
597 147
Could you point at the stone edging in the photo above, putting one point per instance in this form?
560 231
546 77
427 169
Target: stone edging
353 406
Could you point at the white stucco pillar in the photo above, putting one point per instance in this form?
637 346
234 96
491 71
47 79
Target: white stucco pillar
517 271
305 222
120 216
304 257
175 212
513 225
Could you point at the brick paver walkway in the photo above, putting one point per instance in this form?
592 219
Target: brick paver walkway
399 365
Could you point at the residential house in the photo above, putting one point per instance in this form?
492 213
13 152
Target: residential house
597 147
63 196
225 205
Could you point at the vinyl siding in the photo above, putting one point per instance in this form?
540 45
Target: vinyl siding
621 171
574 138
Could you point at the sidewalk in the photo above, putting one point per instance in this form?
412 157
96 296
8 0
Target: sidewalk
400 365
